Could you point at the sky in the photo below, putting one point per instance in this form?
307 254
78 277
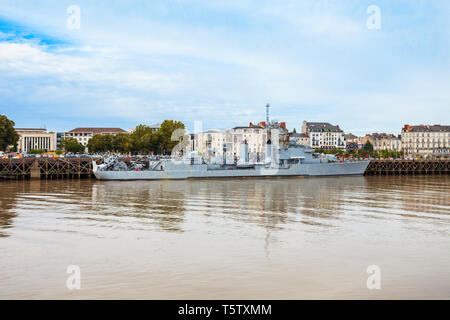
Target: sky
221 61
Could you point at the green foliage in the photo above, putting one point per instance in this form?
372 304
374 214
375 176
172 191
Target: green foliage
389 154
145 140
121 143
8 135
72 145
294 131
59 152
101 143
168 137
368 147
142 139
329 151
37 151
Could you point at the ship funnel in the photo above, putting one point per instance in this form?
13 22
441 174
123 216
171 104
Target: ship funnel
269 151
243 154
224 156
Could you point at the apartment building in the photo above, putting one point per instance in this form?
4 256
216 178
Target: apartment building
323 135
300 138
426 139
209 144
256 138
383 141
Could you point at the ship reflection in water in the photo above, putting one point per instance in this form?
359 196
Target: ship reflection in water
271 238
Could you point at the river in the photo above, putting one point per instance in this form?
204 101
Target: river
274 238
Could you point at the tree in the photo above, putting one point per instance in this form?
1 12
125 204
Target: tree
140 139
101 143
367 148
294 131
8 135
72 145
166 130
121 143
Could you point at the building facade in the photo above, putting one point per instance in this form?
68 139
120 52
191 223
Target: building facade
256 138
33 139
212 144
83 135
208 144
300 138
383 141
426 140
323 135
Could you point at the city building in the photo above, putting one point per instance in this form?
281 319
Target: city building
33 139
300 138
352 142
323 135
208 144
211 144
83 135
59 139
426 139
383 141
256 138
283 132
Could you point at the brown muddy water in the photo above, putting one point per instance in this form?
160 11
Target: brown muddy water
294 238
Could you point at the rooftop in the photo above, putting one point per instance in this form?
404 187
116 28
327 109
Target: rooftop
29 129
322 126
299 135
426 128
98 130
249 127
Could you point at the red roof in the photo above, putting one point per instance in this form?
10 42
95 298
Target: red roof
98 130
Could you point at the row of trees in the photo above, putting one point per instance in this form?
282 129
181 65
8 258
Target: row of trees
142 140
366 150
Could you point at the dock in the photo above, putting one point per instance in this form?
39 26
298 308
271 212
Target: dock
408 167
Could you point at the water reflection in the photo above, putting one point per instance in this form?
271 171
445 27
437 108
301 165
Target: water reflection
268 203
249 238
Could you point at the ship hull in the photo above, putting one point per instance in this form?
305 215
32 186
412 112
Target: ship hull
203 172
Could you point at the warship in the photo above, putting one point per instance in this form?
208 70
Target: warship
285 161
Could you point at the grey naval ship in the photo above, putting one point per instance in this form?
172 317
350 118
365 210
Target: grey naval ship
290 160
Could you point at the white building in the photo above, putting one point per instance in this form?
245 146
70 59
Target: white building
33 139
426 139
211 144
323 135
208 144
254 136
83 135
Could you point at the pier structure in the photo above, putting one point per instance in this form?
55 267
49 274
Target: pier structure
45 168
70 168
408 167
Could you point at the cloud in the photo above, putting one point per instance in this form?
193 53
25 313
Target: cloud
221 61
